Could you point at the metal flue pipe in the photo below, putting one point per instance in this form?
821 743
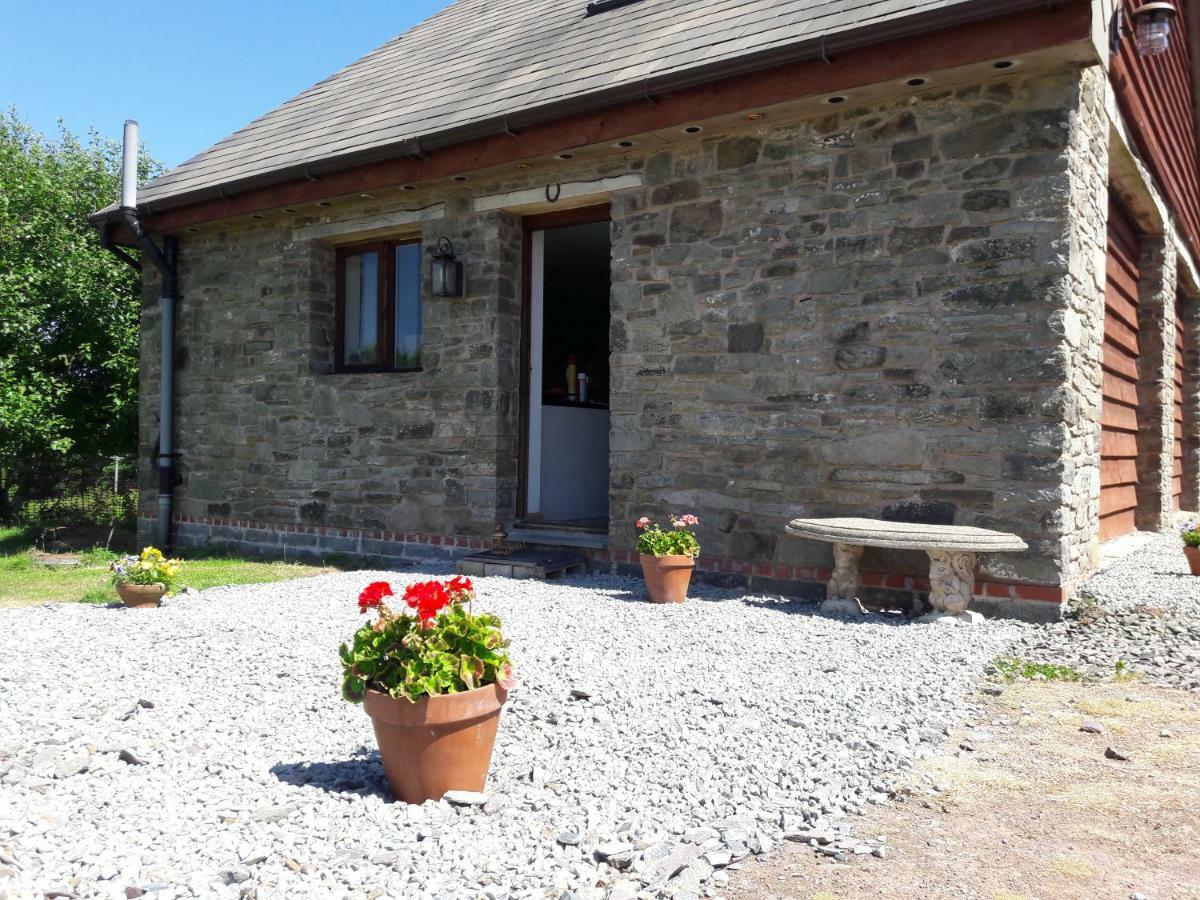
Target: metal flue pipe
165 261
129 165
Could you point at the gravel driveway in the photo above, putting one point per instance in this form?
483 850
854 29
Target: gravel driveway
203 749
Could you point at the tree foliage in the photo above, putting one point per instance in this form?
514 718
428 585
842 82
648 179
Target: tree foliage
68 308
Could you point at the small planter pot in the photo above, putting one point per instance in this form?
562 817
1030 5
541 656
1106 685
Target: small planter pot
141 596
1193 558
437 744
667 577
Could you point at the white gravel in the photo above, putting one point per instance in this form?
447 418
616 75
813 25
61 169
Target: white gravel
713 730
1141 614
1157 575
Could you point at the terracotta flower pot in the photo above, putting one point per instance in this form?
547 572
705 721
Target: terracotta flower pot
667 577
437 744
1193 558
141 596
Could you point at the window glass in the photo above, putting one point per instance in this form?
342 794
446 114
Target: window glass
361 329
408 306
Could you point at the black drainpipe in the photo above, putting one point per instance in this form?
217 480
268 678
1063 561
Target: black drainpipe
166 261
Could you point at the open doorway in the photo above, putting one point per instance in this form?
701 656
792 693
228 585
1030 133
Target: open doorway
567 360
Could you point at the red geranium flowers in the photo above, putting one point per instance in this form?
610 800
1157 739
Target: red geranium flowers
427 598
433 644
372 595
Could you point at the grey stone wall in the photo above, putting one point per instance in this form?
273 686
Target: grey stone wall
268 433
891 310
876 313
1156 382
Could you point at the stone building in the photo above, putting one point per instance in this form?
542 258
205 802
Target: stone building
933 261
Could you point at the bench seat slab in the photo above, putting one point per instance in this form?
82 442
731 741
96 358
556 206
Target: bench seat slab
951 550
906 535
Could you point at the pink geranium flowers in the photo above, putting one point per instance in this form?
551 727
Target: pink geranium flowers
681 541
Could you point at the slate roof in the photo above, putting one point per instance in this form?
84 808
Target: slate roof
478 61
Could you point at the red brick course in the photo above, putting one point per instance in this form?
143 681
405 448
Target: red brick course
776 571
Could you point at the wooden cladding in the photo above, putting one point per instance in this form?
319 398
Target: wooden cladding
1177 412
1118 415
1155 95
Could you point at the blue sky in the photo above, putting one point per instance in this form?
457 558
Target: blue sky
199 70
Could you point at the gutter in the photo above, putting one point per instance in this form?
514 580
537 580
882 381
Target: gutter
166 261
822 48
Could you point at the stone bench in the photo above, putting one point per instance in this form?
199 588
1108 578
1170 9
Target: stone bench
951 550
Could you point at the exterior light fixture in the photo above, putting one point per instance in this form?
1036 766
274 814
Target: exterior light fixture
447 271
1152 27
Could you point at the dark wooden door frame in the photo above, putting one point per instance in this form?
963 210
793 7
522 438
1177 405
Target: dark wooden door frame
584 215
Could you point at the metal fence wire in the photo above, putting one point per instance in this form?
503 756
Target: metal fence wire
60 493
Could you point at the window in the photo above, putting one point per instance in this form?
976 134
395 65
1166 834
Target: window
379 307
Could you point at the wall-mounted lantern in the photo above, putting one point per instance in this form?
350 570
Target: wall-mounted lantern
447 271
1151 29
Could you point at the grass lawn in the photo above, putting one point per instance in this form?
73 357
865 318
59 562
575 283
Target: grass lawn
25 582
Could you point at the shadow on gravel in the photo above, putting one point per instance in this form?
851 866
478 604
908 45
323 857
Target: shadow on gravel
622 595
639 596
798 607
362 774
792 606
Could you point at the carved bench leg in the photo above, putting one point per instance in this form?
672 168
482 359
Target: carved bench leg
951 581
843 585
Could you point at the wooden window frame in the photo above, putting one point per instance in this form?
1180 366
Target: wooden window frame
386 306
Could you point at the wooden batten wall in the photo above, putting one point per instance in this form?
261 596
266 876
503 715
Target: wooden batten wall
1118 416
1156 99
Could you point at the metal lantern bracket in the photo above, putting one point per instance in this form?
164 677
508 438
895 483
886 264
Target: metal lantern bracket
446 271
1121 20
